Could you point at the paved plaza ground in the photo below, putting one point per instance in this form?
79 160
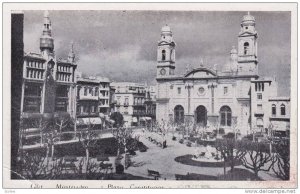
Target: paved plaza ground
162 160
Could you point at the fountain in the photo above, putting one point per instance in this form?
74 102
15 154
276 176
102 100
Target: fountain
207 154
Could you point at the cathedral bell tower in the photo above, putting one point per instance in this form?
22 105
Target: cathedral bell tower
165 53
46 40
247 47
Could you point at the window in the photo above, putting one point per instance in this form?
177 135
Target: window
179 90
179 114
126 101
246 48
225 90
282 109
163 55
96 91
259 122
85 91
255 86
259 107
91 91
273 110
32 97
225 113
201 90
259 96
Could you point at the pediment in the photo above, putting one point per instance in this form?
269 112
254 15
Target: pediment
200 73
247 34
165 42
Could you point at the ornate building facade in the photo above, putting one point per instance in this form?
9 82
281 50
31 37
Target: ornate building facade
48 83
235 97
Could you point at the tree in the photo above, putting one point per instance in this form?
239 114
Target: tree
258 158
50 137
118 118
121 134
231 151
61 121
282 150
33 166
88 139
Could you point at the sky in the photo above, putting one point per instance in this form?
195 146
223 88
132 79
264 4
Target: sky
121 45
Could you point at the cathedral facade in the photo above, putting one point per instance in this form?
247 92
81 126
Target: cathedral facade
234 98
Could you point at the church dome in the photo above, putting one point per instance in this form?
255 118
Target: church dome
248 18
166 28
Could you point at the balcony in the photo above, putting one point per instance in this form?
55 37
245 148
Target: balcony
279 118
104 105
88 97
126 104
258 113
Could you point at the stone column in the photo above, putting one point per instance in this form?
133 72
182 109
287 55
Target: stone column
189 117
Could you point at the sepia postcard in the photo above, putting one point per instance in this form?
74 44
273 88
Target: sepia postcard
150 95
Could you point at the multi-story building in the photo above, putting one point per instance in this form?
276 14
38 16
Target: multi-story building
92 101
112 99
48 83
279 115
104 95
235 97
88 102
130 98
150 104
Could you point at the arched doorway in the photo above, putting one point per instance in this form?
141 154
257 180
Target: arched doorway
179 114
201 115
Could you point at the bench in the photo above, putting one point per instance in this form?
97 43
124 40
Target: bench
153 173
69 163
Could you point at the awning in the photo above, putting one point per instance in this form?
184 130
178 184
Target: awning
87 121
134 119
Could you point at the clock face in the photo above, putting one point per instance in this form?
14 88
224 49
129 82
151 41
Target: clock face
162 72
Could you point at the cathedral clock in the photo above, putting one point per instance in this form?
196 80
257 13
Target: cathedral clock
162 72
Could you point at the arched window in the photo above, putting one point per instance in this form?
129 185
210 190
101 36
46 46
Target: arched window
225 114
163 55
179 114
282 109
273 110
246 48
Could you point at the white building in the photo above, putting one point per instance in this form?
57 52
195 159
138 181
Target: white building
130 101
235 97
